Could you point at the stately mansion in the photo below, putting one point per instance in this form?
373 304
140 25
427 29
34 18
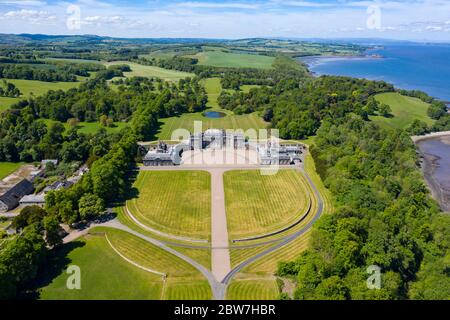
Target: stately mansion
214 139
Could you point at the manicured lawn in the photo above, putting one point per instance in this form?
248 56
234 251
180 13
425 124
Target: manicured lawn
183 280
174 202
253 290
234 60
257 204
187 290
213 89
6 168
268 265
104 274
404 110
149 255
231 121
139 70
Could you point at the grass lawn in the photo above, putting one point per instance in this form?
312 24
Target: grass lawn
35 88
187 290
234 60
261 289
258 204
183 280
92 127
6 168
139 70
404 110
231 121
5 102
177 203
268 264
104 274
213 89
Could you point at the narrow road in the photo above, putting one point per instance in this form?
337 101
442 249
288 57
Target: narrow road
217 280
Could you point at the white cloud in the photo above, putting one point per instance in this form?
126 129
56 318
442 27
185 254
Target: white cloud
33 16
210 5
99 20
23 2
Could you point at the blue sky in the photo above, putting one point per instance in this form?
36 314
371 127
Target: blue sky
427 20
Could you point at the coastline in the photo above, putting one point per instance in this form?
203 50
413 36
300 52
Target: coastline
429 164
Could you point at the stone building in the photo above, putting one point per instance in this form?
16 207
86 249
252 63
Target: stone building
10 194
280 155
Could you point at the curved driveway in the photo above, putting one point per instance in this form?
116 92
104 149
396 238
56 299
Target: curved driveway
218 287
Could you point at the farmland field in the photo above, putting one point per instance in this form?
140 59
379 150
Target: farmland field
234 60
177 203
139 70
6 168
35 88
404 110
258 204
104 274
261 289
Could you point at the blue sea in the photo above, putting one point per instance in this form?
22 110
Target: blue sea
423 67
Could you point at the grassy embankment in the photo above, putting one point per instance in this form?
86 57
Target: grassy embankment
404 111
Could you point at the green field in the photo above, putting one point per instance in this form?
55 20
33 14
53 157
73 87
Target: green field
186 121
139 70
261 289
404 110
92 127
213 89
234 60
258 204
230 121
6 168
176 203
183 281
104 274
34 88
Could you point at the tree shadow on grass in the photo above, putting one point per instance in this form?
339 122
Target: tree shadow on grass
131 191
57 263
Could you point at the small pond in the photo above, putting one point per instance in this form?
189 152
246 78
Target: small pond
214 114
